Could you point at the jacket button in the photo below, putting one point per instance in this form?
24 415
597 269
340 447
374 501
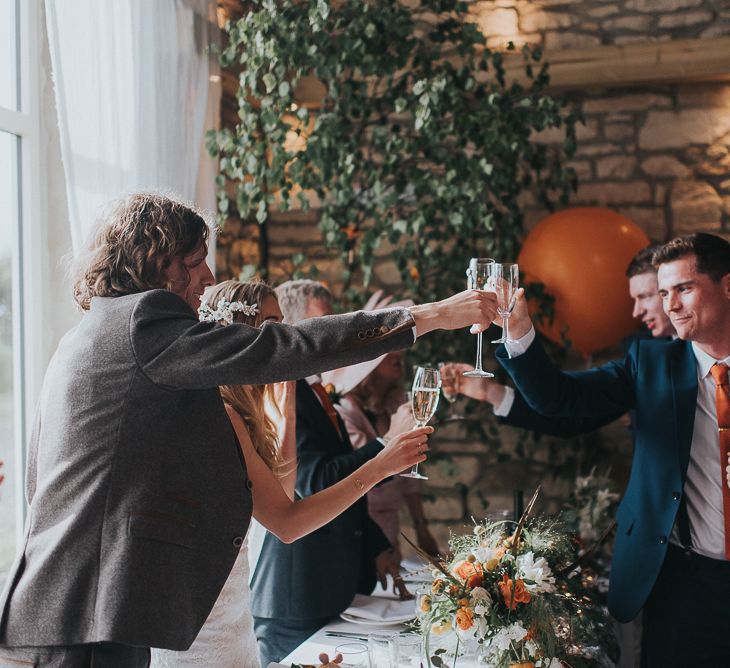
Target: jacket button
384 329
249 484
675 496
662 540
237 541
358 532
361 335
369 333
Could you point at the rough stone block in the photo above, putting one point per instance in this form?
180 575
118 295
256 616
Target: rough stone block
628 102
558 41
712 95
660 193
696 207
583 169
642 23
460 469
499 22
651 219
666 5
599 149
612 193
618 131
711 161
297 233
616 167
445 506
669 129
602 10
663 166
534 19
685 19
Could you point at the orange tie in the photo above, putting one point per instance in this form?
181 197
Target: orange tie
722 401
328 405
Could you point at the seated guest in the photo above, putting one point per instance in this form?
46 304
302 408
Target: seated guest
227 639
368 390
135 483
298 588
672 551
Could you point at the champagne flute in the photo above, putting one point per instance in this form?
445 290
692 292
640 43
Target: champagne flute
451 413
479 274
506 283
424 401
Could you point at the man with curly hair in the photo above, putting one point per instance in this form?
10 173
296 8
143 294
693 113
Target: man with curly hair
138 495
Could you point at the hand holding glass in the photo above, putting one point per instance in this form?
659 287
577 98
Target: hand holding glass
424 401
479 276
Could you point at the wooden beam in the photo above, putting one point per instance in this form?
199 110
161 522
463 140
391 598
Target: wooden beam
633 64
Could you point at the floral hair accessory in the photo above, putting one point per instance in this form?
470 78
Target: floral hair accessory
224 311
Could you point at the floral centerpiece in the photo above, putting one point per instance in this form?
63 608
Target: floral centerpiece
514 592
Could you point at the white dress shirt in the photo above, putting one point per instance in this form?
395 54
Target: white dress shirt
705 473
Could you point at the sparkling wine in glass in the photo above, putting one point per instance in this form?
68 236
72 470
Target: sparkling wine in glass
451 413
424 401
479 277
506 282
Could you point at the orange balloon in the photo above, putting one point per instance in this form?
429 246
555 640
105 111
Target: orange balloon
581 256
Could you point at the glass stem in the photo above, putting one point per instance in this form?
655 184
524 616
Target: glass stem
479 352
506 331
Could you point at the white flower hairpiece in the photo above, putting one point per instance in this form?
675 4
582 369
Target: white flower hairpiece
224 311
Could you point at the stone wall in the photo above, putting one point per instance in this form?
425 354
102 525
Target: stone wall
659 154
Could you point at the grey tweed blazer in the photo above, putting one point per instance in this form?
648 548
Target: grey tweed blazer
139 497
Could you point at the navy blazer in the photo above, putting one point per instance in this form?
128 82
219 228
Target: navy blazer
317 576
658 379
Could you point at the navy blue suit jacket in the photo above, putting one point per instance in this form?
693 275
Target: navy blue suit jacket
318 575
658 379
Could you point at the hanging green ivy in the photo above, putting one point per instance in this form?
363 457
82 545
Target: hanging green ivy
419 141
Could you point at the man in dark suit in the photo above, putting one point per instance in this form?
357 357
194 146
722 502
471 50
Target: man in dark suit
297 588
137 491
673 540
511 408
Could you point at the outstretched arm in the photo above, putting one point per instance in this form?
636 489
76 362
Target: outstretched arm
290 520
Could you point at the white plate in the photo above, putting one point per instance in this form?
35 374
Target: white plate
374 622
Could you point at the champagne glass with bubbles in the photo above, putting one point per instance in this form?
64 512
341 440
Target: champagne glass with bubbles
424 401
479 277
506 282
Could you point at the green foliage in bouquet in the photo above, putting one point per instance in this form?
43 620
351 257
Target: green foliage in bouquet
419 147
517 594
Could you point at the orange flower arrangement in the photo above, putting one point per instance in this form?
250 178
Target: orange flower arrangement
467 568
520 595
464 618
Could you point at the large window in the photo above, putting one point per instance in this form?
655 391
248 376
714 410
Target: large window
18 148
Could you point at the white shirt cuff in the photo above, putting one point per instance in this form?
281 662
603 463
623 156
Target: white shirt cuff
415 333
516 348
505 406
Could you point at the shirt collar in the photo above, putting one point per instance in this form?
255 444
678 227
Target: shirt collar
705 361
311 380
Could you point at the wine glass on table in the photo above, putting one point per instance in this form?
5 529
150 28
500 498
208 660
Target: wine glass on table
506 282
451 397
424 401
479 277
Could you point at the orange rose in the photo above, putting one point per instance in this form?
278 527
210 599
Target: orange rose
520 594
491 564
438 586
475 580
464 618
414 273
425 604
466 569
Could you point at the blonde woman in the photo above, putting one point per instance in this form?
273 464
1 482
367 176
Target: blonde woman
226 640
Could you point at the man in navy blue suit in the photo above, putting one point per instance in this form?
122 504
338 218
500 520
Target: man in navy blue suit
672 549
511 408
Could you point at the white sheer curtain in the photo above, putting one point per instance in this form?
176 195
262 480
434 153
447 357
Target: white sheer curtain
132 85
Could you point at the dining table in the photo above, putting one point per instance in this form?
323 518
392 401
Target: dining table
338 631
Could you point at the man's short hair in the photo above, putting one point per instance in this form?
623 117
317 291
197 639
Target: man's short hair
133 246
294 297
712 253
642 263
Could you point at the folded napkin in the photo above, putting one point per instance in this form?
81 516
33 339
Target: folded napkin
380 609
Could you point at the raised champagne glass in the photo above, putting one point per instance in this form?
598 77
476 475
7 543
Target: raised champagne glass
479 277
506 282
424 401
